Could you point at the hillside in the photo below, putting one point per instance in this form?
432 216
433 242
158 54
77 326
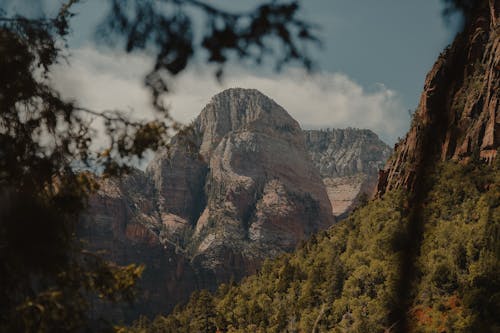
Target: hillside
343 279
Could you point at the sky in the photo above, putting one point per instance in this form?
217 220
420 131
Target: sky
371 68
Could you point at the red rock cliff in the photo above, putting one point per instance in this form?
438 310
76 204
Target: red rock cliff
457 117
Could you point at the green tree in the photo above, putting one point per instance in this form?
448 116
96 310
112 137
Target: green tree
202 312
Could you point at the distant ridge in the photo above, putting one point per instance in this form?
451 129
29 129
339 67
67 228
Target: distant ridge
349 161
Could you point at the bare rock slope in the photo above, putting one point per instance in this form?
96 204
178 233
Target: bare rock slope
349 161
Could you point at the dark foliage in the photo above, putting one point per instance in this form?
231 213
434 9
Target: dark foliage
460 5
48 280
273 31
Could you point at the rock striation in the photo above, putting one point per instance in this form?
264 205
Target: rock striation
349 161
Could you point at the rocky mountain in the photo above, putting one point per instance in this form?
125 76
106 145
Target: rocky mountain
241 184
349 161
237 187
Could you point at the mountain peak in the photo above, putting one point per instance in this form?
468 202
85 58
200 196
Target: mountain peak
244 103
247 189
239 109
237 91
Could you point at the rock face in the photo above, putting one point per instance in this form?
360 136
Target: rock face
457 117
122 221
349 161
255 191
236 188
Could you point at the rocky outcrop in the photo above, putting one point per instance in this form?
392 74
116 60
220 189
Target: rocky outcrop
238 186
457 117
245 171
349 161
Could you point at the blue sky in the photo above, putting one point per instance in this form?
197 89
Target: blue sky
372 67
394 42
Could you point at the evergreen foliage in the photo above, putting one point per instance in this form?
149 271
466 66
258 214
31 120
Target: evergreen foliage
344 279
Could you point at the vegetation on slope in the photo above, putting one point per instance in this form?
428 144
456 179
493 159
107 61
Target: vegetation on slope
345 279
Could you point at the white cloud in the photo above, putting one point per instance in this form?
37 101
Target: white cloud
108 80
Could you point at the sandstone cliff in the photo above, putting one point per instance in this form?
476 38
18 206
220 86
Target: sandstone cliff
245 171
122 224
457 117
349 161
